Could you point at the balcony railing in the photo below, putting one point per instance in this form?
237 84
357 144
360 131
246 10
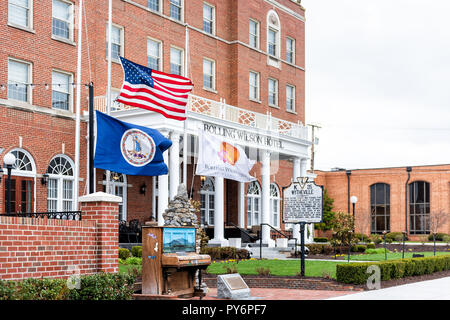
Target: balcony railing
221 110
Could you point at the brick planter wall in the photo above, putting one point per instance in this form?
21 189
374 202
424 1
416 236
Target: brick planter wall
34 248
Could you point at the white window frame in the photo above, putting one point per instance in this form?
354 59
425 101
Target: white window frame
122 42
269 92
293 98
70 89
213 63
181 11
181 59
70 22
29 25
275 214
257 86
160 58
60 179
124 185
213 21
274 60
29 78
160 5
292 52
255 215
208 210
250 35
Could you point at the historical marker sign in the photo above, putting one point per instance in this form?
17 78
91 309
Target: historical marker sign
303 204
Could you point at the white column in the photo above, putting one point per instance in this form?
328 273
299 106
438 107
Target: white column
265 199
296 172
241 205
163 190
218 239
174 165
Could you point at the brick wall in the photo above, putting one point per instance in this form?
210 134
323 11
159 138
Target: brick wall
34 248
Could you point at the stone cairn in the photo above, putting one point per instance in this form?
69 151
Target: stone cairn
180 212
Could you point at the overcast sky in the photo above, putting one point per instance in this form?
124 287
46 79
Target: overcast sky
378 82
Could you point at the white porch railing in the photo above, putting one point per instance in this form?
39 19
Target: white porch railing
221 110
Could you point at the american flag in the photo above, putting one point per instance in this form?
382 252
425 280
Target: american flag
154 90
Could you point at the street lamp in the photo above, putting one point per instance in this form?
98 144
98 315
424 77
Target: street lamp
8 161
353 200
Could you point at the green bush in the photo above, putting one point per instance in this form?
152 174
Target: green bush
363 238
101 286
133 261
376 238
439 237
124 253
358 248
376 251
224 253
320 248
371 246
136 251
395 236
355 273
320 239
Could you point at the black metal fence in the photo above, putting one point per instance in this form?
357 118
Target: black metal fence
63 215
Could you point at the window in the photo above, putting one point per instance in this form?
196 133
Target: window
273 92
116 42
61 19
380 208
253 203
208 18
419 207
176 7
114 104
290 50
209 70
273 39
60 196
19 76
176 61
207 201
153 5
20 13
154 54
275 205
254 34
254 86
118 184
272 42
61 90
290 98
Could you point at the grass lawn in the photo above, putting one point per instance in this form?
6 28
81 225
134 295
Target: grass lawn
392 255
123 268
278 267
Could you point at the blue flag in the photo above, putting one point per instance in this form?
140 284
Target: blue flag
129 149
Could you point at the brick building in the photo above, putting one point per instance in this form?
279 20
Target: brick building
383 193
245 58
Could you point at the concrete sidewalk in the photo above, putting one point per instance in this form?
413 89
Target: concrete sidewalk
438 289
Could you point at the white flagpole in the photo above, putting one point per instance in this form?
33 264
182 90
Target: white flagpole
108 88
185 136
78 106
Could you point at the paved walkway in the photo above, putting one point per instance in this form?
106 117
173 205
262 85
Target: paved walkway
284 294
438 289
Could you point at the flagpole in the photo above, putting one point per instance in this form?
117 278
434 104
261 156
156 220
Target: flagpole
108 88
185 144
78 106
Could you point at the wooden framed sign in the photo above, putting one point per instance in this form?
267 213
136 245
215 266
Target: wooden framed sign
303 205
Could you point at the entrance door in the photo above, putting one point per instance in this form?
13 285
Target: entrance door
21 194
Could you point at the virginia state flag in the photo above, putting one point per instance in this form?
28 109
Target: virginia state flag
129 149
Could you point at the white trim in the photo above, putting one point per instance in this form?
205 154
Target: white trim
124 197
181 59
250 205
29 27
181 13
213 67
258 86
258 33
69 87
213 13
122 41
29 79
70 22
294 51
60 184
276 105
160 7
293 98
161 52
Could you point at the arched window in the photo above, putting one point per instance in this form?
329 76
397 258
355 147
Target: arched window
23 176
380 208
273 38
419 207
207 201
275 204
60 193
119 188
253 203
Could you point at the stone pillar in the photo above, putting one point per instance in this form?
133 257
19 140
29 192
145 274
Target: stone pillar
265 199
241 205
174 164
163 191
103 208
218 239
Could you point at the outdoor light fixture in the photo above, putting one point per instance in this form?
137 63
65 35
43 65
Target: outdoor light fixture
143 189
202 178
353 200
8 160
44 178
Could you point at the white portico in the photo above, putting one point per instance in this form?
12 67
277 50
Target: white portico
266 139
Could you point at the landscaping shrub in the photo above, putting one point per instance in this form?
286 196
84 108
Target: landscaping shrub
376 251
124 253
355 273
136 251
320 248
376 238
363 238
133 261
395 236
358 248
101 286
224 253
320 239
263 271
231 268
439 237
371 246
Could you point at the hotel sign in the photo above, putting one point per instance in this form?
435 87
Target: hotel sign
242 135
303 204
